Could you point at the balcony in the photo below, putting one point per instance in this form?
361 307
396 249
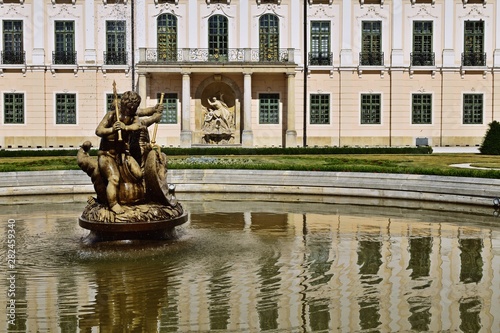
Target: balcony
371 59
211 56
473 59
422 59
320 58
115 58
64 57
13 57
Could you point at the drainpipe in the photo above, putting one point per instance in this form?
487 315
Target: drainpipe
132 24
304 136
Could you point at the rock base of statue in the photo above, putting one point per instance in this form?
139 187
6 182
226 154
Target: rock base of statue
147 230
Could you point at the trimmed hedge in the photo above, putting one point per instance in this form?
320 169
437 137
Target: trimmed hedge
236 151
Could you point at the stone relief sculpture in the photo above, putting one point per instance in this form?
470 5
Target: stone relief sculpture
129 175
218 121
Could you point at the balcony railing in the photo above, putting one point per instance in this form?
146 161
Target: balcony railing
64 57
422 58
115 58
148 55
13 57
471 59
371 59
320 58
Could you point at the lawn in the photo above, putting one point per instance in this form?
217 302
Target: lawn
434 164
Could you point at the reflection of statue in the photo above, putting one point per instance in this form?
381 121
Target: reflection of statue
129 175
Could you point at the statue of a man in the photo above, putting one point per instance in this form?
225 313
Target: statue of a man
221 112
114 152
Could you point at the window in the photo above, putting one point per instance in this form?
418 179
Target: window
370 108
167 37
65 108
13 108
421 109
217 38
320 44
64 43
116 48
110 101
269 38
169 115
13 51
269 108
474 44
473 109
320 109
422 44
371 44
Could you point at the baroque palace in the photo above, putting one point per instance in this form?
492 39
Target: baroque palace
253 73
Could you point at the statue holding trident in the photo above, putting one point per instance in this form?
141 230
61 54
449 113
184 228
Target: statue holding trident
129 175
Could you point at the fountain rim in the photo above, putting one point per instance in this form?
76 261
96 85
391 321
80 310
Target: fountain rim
133 226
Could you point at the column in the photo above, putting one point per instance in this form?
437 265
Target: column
449 31
291 133
346 51
142 88
38 32
90 47
186 110
247 135
397 57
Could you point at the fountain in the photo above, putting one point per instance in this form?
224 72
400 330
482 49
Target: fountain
133 199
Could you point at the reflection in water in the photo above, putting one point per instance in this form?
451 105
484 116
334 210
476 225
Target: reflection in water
255 266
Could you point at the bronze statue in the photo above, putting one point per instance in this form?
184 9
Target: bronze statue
129 175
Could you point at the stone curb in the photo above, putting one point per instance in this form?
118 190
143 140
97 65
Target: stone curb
455 190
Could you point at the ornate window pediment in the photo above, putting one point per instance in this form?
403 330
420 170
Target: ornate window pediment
320 2
483 2
111 2
371 2
432 2
272 2
11 1
228 2
172 2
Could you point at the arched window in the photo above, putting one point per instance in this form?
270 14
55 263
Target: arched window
269 38
217 38
167 37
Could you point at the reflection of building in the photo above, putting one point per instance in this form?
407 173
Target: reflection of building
359 72
316 272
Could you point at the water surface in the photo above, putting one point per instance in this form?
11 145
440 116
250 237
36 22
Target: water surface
258 266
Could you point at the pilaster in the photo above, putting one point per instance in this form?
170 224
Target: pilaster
448 51
397 56
90 23
346 59
38 32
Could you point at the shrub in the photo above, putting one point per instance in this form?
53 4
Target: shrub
491 141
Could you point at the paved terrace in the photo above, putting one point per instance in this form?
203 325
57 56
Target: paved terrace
291 185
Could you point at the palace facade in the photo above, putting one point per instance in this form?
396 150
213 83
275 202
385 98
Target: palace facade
253 73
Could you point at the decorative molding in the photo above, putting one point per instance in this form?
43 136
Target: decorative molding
371 13
423 11
218 8
474 12
12 11
64 11
167 9
270 8
322 11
